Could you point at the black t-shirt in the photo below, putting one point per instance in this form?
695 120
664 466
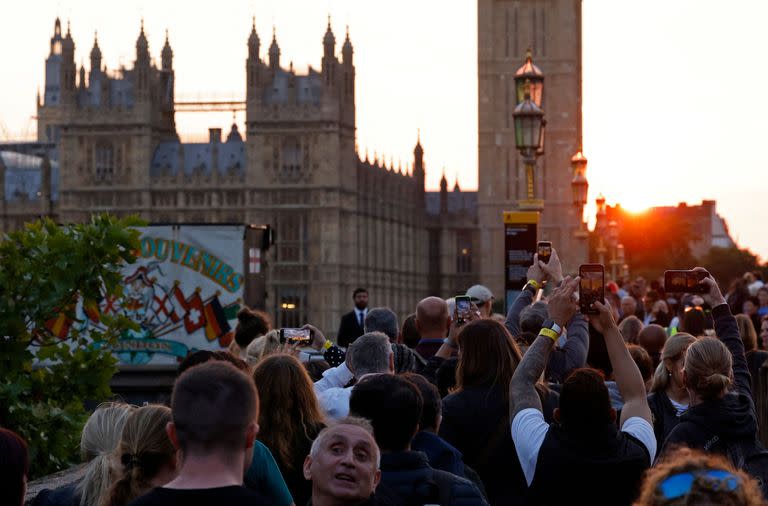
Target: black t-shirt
220 496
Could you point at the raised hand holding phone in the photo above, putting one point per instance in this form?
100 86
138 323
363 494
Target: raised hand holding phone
553 269
561 305
713 295
603 319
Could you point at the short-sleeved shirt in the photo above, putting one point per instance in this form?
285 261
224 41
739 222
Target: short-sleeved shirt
529 430
220 496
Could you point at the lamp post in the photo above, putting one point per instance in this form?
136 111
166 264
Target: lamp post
600 227
613 240
529 125
580 189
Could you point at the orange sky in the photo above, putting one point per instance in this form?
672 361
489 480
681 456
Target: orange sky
674 92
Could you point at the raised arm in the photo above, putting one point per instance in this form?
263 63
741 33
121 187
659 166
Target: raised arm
574 354
628 377
522 389
728 332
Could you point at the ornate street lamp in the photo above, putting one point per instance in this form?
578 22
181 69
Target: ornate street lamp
600 227
529 134
579 189
529 74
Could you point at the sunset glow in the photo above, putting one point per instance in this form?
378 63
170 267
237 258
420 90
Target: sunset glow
647 144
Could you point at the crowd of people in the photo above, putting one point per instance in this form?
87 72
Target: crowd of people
652 400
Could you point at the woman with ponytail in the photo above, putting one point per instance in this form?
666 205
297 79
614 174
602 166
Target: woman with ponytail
669 398
100 437
721 417
145 457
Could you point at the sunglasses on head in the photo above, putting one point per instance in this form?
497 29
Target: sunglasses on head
679 485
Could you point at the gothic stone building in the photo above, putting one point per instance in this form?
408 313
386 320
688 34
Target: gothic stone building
107 142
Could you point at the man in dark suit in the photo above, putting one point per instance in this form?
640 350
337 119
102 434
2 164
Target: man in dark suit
352 323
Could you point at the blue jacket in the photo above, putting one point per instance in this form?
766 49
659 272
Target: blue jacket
409 475
440 453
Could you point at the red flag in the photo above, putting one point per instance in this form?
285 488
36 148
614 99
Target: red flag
59 326
91 310
195 317
179 304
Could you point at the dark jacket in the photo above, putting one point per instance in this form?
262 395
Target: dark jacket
439 452
349 329
409 475
603 468
476 422
664 416
62 496
713 424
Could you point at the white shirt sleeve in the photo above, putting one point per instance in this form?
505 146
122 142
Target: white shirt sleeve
643 431
528 432
335 377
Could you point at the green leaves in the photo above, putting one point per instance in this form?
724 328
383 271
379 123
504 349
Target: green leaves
44 270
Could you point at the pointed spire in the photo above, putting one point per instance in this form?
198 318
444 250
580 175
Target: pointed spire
57 27
346 49
329 41
167 53
142 46
253 41
95 53
69 32
274 50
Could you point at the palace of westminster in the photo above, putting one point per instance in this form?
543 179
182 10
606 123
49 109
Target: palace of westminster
107 141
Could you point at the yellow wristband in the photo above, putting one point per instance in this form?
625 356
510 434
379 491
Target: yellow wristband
534 284
327 344
549 333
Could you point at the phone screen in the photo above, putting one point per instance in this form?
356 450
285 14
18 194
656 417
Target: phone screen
295 336
544 250
591 287
684 281
463 307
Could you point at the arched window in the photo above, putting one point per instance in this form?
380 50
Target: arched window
105 163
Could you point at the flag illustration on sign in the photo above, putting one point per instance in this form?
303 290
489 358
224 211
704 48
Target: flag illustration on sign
162 306
195 317
216 320
179 304
91 310
59 326
108 305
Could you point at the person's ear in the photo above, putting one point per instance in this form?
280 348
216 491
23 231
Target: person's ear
376 478
685 379
170 429
250 435
418 325
308 468
556 414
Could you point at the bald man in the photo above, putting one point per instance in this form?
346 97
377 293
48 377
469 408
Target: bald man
433 322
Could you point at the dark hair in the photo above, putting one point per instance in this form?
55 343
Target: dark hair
251 324
203 356
358 290
316 368
488 357
384 320
642 360
694 322
212 406
392 404
753 299
290 414
409 332
585 405
14 466
431 407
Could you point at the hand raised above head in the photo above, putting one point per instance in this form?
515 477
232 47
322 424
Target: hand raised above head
535 272
714 296
318 339
554 269
603 320
562 303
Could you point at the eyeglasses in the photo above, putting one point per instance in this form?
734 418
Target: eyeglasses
679 485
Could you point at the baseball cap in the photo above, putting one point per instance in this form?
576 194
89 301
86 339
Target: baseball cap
479 293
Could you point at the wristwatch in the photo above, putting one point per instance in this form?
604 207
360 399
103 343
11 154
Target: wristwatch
551 325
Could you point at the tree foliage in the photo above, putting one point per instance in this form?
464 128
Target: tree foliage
727 264
46 272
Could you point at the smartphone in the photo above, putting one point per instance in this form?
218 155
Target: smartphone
544 250
591 287
463 307
679 281
296 336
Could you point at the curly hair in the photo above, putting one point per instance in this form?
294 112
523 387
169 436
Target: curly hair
683 460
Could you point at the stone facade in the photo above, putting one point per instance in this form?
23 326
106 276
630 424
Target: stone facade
552 31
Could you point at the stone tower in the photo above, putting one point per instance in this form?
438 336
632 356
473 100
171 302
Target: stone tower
506 30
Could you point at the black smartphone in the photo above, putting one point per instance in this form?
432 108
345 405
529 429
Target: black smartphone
544 250
680 281
591 287
296 336
463 307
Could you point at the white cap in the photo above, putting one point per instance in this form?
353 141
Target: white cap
479 293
